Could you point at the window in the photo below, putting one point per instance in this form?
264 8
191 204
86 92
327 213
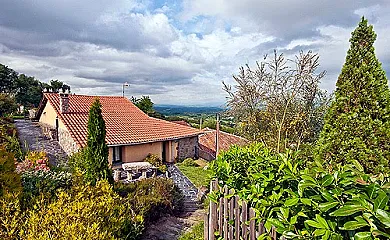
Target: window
117 154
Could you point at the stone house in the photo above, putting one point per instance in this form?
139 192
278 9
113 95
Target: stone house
131 134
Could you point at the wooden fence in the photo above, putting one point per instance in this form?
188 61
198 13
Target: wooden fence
231 220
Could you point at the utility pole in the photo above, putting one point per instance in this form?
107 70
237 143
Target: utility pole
217 137
200 123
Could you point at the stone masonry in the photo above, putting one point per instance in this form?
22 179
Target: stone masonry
187 147
66 141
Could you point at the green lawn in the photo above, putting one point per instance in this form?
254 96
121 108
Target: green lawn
195 233
197 175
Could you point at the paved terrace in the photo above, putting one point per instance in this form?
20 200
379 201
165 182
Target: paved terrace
32 139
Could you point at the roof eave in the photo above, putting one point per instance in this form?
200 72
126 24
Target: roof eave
152 141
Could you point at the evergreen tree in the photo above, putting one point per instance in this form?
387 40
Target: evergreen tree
357 123
96 152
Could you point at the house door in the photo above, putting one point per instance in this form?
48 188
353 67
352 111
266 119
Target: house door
164 151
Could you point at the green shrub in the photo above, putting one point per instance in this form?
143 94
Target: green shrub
9 179
152 197
12 217
357 125
156 161
76 161
86 211
189 162
45 182
96 151
303 199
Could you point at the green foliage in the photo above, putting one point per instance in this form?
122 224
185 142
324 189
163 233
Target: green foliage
7 79
77 162
189 162
7 104
29 90
357 126
156 161
279 102
96 152
44 182
8 137
9 179
88 212
58 86
12 217
144 103
306 200
151 197
195 232
196 174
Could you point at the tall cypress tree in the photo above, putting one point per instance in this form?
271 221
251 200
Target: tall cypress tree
357 123
96 152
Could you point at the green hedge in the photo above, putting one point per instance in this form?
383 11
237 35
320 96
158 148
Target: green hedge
304 199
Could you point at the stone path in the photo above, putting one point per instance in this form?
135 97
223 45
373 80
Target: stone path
171 227
184 184
31 138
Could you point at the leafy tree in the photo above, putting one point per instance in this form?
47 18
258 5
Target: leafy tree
144 103
7 104
29 91
357 126
96 152
7 79
58 86
279 104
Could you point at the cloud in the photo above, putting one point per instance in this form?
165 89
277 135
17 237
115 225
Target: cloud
178 52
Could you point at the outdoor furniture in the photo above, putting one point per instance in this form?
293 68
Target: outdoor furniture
136 167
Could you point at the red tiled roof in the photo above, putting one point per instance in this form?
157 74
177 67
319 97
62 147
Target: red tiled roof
207 141
182 122
125 123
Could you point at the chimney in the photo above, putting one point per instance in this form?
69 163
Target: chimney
64 101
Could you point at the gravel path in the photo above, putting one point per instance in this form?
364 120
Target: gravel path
171 227
32 139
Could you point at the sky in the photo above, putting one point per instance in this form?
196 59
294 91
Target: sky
177 51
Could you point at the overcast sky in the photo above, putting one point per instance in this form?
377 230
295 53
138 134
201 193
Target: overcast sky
176 51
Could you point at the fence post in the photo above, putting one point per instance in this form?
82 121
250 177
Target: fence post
212 212
243 220
252 228
225 213
237 218
231 215
273 233
206 227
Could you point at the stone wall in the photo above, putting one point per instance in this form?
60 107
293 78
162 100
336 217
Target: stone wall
188 147
66 142
48 131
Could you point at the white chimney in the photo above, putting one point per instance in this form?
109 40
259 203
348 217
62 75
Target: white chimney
64 102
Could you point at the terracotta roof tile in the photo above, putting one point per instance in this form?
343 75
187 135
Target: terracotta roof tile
125 123
207 141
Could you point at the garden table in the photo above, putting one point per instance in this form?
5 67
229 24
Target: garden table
135 167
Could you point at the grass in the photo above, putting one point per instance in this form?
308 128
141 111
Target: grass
195 233
197 175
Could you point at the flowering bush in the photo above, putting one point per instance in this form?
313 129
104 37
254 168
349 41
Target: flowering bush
47 182
33 161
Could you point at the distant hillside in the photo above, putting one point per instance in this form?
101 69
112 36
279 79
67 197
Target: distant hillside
169 110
